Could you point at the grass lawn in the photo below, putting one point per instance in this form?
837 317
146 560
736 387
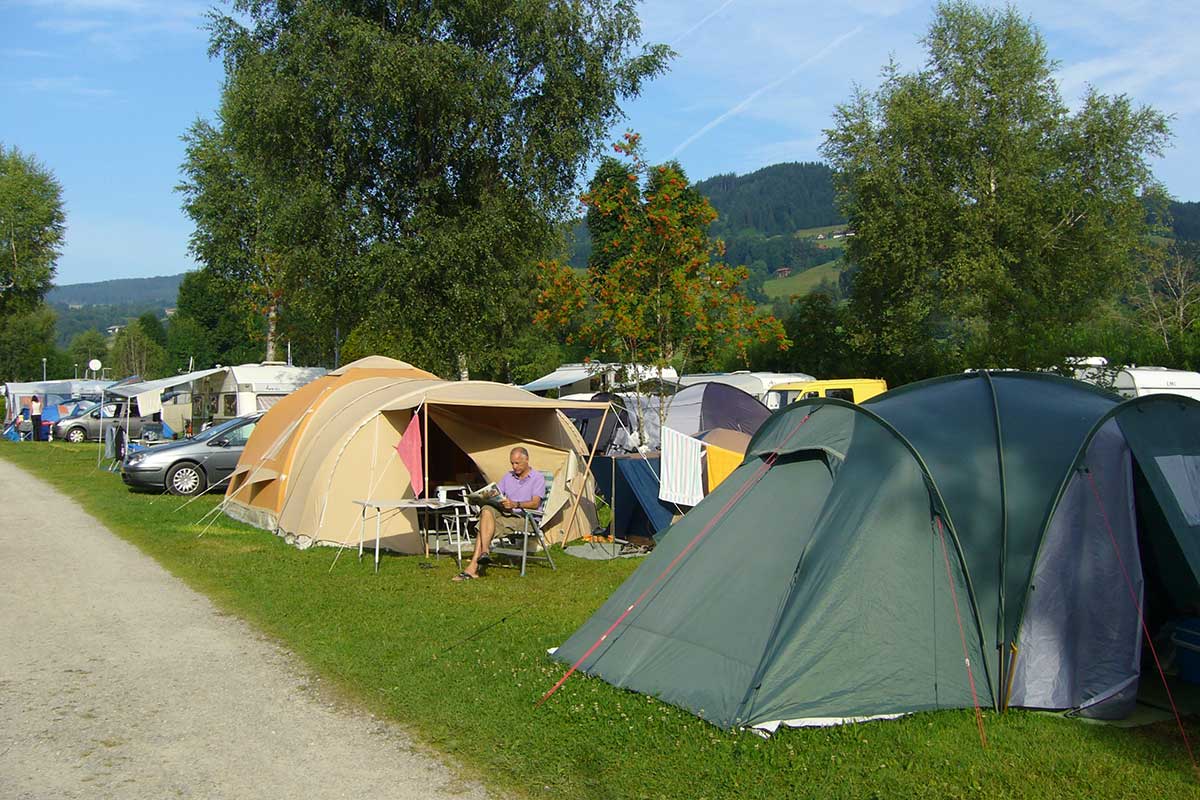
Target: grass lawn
397 643
828 230
801 283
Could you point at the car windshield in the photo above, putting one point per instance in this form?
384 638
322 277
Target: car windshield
217 430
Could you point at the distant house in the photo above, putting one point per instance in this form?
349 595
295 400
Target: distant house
170 312
820 237
783 272
113 330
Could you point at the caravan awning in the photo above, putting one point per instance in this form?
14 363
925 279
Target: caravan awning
562 376
161 384
63 388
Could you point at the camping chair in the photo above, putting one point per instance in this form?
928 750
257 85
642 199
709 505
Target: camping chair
517 543
457 523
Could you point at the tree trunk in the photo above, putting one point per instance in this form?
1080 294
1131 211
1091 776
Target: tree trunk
272 318
273 313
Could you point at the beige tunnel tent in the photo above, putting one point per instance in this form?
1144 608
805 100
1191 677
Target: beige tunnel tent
315 458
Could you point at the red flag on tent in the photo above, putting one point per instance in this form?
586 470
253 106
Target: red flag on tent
409 450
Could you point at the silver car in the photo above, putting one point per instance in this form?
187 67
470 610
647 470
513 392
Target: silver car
85 425
190 466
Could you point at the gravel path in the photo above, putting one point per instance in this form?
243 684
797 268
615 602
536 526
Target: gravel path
116 680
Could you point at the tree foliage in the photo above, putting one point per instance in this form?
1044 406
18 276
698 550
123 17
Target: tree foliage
989 219
152 326
189 345
400 165
87 345
660 299
32 227
27 337
1167 299
818 331
134 352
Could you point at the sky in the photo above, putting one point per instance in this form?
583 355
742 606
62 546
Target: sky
100 91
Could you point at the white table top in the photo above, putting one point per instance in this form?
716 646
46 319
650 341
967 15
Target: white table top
411 502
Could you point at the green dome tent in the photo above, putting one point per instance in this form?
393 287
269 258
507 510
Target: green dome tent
982 538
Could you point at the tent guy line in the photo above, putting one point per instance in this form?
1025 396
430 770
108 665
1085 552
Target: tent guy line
1141 618
742 491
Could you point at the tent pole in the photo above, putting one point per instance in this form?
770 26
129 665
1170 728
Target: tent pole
100 452
425 455
612 502
586 472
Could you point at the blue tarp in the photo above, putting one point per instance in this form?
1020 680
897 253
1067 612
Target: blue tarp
637 511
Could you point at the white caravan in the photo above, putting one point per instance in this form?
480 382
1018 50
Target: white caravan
757 384
1138 381
247 388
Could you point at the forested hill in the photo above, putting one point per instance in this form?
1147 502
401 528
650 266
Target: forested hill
774 200
96 306
1185 219
158 291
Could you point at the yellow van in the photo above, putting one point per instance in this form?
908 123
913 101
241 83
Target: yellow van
854 390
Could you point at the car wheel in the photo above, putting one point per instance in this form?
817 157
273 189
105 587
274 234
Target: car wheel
186 479
76 435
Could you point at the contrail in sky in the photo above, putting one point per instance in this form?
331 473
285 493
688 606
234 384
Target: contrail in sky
737 109
707 17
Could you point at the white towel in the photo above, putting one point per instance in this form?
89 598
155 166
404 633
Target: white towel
681 480
149 402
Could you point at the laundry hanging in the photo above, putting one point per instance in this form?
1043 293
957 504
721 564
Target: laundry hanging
681 479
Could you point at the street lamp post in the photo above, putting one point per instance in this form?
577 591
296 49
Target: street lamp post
43 369
76 372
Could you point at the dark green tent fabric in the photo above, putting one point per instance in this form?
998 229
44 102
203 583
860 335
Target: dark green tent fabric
887 546
964 427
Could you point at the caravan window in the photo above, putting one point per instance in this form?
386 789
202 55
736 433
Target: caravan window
265 401
841 394
229 405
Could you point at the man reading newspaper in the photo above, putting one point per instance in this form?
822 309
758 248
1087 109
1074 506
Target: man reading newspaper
521 489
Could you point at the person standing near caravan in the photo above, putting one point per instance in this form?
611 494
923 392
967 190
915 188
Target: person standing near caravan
35 417
522 488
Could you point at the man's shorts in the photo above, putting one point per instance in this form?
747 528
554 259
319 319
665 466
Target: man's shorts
505 523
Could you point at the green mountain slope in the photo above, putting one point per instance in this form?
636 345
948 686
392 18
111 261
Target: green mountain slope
161 290
775 200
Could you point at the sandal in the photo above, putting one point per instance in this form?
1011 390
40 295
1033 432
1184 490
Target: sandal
464 576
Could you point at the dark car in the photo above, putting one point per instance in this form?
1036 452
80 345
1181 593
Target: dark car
190 466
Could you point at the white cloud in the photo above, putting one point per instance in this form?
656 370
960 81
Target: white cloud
750 98
72 85
807 148
18 52
122 29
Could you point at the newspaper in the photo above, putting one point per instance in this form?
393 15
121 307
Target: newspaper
489 495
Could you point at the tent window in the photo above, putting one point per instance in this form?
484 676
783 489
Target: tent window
841 394
1183 476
